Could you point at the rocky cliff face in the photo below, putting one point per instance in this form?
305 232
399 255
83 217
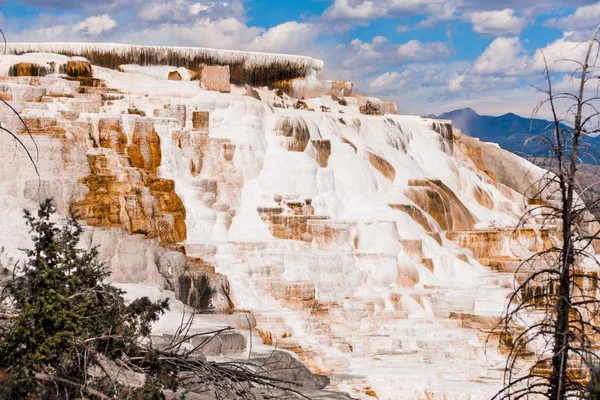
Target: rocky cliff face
376 248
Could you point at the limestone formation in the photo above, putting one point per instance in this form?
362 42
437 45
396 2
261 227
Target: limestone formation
389 107
250 91
79 68
372 108
174 76
299 88
293 133
382 166
216 78
349 240
321 151
337 88
502 166
111 135
144 150
28 69
201 121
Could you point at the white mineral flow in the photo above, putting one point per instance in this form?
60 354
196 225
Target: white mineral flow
254 67
354 240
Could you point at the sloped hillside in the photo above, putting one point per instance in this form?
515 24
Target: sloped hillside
378 249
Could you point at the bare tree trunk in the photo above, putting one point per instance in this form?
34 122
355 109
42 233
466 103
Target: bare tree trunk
569 307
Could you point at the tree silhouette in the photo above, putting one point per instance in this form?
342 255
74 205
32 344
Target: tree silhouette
550 324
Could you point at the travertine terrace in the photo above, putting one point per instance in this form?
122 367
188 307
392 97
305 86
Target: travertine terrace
378 249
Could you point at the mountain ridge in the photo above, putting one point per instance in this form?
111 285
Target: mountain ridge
510 131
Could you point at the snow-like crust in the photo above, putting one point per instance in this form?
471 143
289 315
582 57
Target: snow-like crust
354 274
249 60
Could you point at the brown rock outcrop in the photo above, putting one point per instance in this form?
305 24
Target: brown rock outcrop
174 76
79 69
459 218
111 135
293 132
205 291
299 88
124 190
338 88
389 107
144 150
201 121
432 203
216 78
502 166
118 197
382 166
28 69
483 197
371 108
415 213
506 245
322 151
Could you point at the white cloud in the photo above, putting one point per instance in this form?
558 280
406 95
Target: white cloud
94 26
381 53
557 52
504 56
361 53
229 33
583 17
343 10
390 79
440 12
182 11
362 11
496 23
415 50
52 32
284 37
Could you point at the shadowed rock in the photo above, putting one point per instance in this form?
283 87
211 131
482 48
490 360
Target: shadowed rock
79 69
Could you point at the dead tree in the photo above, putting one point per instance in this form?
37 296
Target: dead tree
550 326
7 130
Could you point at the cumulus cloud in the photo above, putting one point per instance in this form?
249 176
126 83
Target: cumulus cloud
381 52
415 72
504 56
529 8
440 12
583 17
52 32
229 33
183 11
415 50
286 36
362 11
558 52
346 11
496 23
94 26
433 76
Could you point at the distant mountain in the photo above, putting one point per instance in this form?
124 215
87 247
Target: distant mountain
510 131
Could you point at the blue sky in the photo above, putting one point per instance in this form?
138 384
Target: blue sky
429 56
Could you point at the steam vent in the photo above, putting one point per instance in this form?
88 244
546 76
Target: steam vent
375 251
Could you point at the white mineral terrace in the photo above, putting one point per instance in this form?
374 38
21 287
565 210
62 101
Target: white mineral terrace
374 247
248 58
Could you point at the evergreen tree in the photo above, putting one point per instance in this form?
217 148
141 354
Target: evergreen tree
69 319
